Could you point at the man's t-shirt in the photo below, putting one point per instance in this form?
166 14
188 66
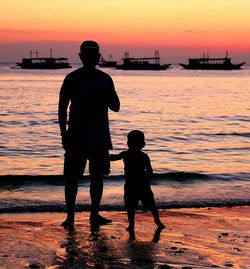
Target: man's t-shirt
90 93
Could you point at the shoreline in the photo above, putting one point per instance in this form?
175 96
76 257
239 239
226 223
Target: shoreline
217 237
168 174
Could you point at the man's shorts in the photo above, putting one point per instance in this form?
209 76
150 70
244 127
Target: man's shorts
75 163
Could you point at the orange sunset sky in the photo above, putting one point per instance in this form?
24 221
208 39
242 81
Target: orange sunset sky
178 28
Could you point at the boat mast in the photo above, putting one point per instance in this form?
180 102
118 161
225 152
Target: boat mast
157 57
50 52
33 52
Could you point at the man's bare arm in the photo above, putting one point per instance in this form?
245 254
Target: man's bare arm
62 112
113 99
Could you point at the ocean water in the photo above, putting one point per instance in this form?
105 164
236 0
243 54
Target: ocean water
196 123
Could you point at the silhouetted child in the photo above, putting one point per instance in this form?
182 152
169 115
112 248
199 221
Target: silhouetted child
138 171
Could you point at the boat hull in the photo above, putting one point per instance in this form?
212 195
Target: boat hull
143 67
108 64
212 66
43 66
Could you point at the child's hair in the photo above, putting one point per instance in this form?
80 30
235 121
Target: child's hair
136 139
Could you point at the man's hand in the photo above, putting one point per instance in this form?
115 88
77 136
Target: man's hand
65 141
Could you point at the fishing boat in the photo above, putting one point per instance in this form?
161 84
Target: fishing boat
206 63
107 63
151 63
43 63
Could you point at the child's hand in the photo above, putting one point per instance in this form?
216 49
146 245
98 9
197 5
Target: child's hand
107 167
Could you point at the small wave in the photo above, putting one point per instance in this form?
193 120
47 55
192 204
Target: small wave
178 138
230 134
120 207
180 176
13 122
169 176
58 179
233 118
43 122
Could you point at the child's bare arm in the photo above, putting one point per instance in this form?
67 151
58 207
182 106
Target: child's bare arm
115 157
149 169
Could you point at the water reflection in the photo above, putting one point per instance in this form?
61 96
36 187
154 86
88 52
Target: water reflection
85 250
141 253
189 127
96 249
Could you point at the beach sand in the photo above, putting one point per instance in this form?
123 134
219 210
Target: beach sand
193 238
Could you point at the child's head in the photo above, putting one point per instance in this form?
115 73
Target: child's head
136 140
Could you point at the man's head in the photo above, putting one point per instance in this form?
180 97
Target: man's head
136 140
89 53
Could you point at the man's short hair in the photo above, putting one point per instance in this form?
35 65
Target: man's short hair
89 46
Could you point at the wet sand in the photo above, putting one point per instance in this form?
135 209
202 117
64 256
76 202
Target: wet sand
193 238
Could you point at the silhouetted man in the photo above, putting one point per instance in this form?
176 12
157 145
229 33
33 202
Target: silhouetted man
90 92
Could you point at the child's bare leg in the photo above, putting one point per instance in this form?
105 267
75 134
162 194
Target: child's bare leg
131 219
153 209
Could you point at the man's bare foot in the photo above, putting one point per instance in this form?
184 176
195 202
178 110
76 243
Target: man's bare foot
68 224
131 231
99 220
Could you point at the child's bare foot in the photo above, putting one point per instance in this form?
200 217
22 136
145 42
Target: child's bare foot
160 225
130 229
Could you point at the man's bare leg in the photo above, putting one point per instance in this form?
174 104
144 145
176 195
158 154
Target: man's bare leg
70 199
96 191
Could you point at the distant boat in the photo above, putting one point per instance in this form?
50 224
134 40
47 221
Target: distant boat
43 63
152 63
206 63
109 63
